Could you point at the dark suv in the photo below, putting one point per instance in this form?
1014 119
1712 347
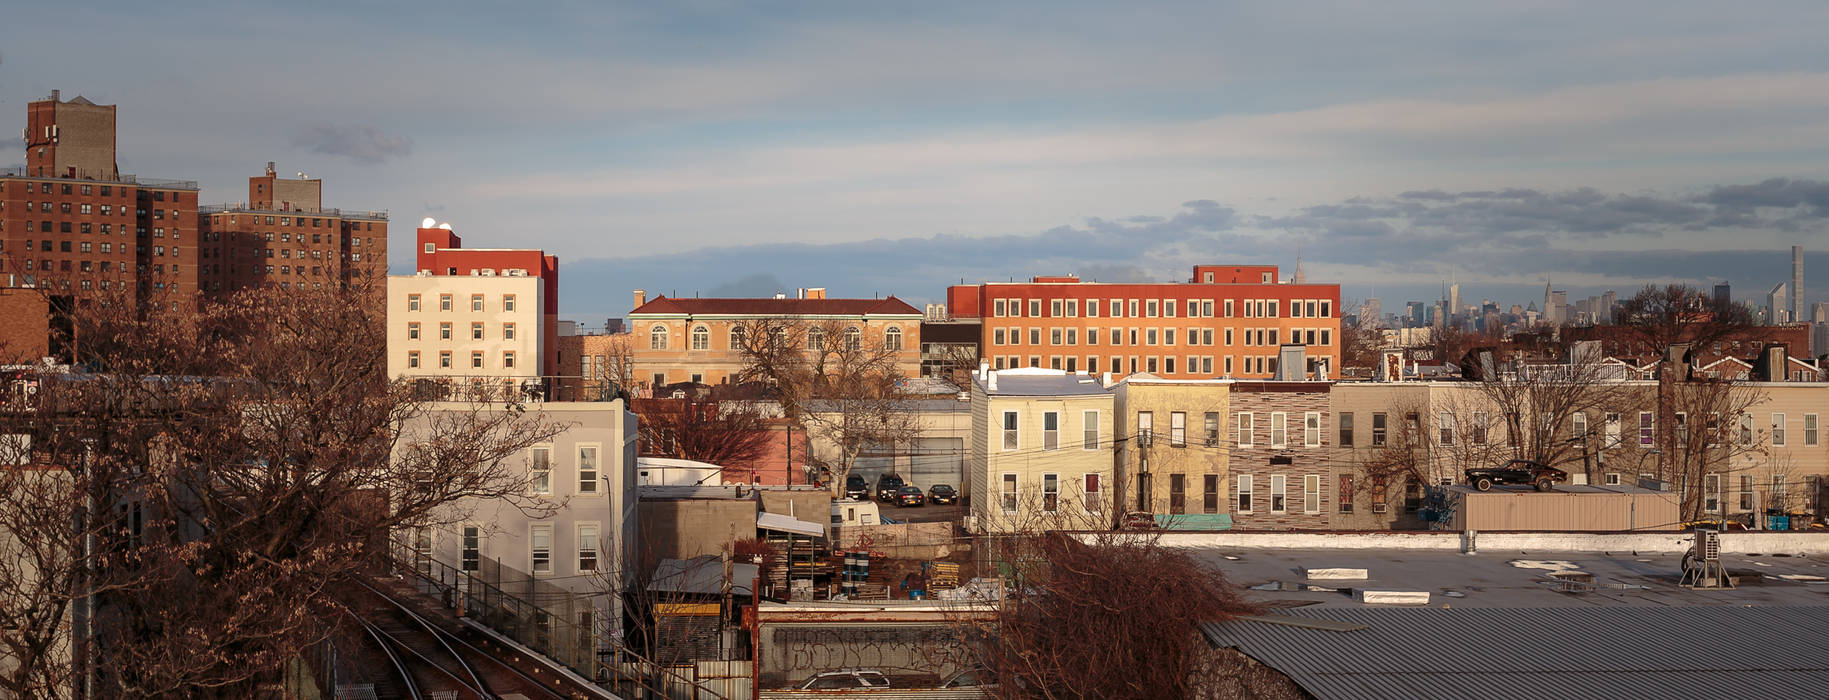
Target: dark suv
886 487
1517 471
856 487
942 494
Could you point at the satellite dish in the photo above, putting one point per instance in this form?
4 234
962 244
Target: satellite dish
446 227
428 222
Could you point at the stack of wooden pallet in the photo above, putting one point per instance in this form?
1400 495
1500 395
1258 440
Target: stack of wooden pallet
943 574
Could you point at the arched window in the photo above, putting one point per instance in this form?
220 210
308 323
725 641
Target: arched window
854 339
701 338
892 339
816 338
736 337
657 338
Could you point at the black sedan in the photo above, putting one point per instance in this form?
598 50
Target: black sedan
910 496
942 494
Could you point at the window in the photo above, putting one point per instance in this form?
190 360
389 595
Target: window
1117 309
1008 495
587 547
1346 492
1611 437
1711 493
1578 426
1311 493
1117 336
540 470
1089 427
444 300
657 338
1682 428
701 338
1778 494
1746 492
541 539
412 330
1476 432
1009 431
892 339
412 302
1612 478
476 330
507 331
587 469
1054 308
1445 429
476 359
1211 426
1035 336
1146 428
476 302
1378 429
1051 430
1051 493
444 359
1149 308
1809 430
412 358
1311 429
1178 429
1778 430
1095 498
1054 336
471 556
998 307
1746 429
1279 495
1244 493
507 302
854 339
1279 429
1035 308
1178 496
1346 429
1646 420
1244 429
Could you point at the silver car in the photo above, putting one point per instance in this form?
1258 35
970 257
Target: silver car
846 679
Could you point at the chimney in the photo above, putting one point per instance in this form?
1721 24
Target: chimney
816 292
56 95
1107 379
1772 362
991 381
641 297
1289 364
270 171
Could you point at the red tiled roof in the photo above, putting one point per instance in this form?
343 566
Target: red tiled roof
777 307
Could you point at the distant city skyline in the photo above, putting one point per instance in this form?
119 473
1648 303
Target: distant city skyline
894 150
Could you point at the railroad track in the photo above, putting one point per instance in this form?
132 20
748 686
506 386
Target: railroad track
435 664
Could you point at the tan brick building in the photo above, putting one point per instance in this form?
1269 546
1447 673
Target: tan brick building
689 340
1172 449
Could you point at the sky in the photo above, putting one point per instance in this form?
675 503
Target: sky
739 149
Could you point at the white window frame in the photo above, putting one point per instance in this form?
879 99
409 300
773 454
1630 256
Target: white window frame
587 477
590 553
1051 497
1092 492
1178 429
1279 430
1051 438
1009 492
1279 493
1778 430
1243 427
470 547
540 481
1089 430
540 548
1241 497
1012 438
1311 493
1811 426
1311 429
1647 429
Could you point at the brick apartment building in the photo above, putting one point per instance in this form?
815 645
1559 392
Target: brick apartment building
689 339
1282 462
1226 321
73 226
283 236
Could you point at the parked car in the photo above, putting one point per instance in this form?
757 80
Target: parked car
886 487
1517 471
856 487
971 678
910 496
942 494
846 679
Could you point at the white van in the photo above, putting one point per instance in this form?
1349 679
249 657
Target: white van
854 512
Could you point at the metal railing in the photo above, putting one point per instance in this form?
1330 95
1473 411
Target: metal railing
242 207
162 183
545 618
464 387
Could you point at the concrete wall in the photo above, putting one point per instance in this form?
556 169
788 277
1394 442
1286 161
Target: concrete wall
1811 543
682 529
809 504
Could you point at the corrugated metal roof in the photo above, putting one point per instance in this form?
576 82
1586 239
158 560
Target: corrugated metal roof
1626 652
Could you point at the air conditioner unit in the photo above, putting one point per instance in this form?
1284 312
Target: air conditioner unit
1380 507
488 272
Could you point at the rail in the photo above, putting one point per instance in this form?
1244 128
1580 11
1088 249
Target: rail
476 682
554 634
153 182
242 207
381 640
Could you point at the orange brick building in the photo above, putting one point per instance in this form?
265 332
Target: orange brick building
1226 321
284 237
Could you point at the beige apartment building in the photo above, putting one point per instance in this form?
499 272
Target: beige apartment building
1172 449
465 329
694 340
1040 453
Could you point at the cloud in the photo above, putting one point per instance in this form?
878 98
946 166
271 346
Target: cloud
364 144
1776 192
761 284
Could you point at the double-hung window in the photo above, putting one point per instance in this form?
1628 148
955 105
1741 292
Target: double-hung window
1279 494
540 539
1010 431
540 470
1051 430
1178 429
587 469
587 547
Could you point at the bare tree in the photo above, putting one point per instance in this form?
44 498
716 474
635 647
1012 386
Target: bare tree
1076 610
247 456
731 434
843 387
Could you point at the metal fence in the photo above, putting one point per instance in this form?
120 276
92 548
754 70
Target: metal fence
557 623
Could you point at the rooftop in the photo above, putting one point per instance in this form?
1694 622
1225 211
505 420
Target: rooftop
776 307
1037 381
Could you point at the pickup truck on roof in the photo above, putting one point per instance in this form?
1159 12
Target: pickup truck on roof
1517 471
